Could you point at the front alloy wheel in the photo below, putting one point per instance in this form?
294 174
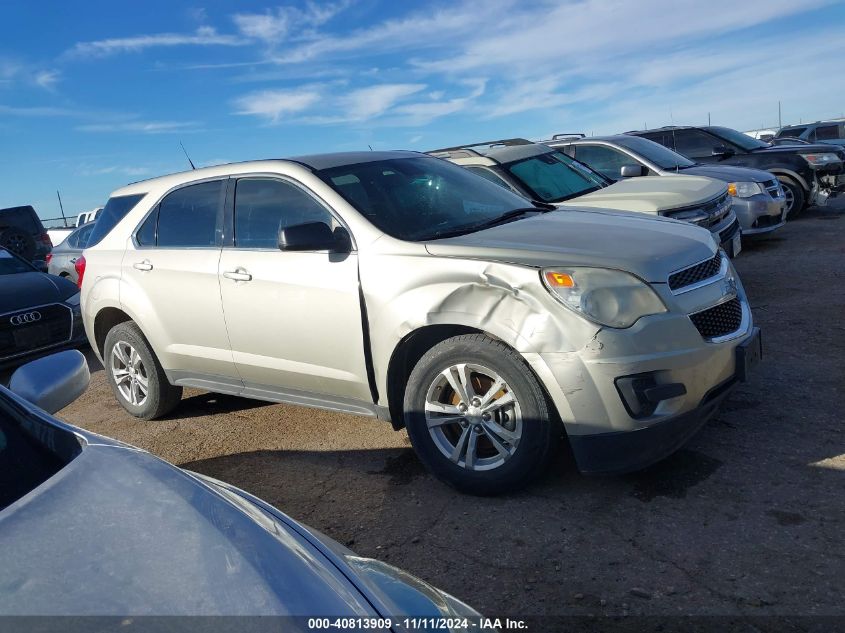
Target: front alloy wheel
129 373
477 416
473 416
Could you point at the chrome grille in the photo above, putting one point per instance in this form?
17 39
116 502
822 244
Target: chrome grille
52 327
728 232
696 273
719 320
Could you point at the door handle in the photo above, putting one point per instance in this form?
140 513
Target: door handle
237 275
144 265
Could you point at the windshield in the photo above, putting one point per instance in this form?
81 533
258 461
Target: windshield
656 153
555 177
420 198
11 265
737 138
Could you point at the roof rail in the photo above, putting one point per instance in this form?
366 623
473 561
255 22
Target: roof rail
558 137
472 148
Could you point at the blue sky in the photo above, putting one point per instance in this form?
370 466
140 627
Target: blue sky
97 94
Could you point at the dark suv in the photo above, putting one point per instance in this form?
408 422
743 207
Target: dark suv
828 132
22 232
808 172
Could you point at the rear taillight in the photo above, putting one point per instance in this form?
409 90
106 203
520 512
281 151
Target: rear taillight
48 258
80 270
44 238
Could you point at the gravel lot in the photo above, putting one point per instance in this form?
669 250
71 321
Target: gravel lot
748 519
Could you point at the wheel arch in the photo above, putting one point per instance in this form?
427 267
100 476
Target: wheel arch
105 320
782 171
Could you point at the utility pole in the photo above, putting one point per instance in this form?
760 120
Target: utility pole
780 124
61 208
708 119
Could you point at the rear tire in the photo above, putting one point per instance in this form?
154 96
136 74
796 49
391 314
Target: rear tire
136 377
796 199
494 436
18 241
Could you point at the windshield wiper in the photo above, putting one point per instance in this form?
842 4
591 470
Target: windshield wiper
510 216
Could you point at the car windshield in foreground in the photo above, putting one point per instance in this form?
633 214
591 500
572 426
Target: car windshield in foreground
423 198
656 153
737 138
11 265
555 177
24 463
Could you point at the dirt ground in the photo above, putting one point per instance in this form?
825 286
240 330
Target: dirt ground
747 519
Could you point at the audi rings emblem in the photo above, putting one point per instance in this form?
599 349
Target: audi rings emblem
29 317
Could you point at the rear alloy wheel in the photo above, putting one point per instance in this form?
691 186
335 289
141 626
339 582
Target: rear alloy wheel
477 416
135 375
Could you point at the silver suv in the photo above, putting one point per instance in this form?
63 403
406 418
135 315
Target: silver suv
397 285
547 175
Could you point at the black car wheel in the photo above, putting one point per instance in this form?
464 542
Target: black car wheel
795 198
18 241
135 375
477 416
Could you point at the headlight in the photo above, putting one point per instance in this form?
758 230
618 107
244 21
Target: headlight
824 158
73 300
609 297
744 189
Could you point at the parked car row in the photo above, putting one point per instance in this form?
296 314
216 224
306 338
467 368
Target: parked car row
489 298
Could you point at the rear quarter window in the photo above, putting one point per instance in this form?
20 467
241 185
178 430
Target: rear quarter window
115 210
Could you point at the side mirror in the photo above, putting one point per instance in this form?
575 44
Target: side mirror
722 150
314 236
632 171
53 382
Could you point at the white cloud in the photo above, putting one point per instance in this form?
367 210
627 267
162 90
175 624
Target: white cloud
275 104
373 101
426 111
46 78
142 127
272 27
203 36
89 170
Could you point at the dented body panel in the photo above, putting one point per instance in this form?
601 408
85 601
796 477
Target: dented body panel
487 281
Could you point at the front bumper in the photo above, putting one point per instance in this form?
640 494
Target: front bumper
684 374
22 355
760 214
632 450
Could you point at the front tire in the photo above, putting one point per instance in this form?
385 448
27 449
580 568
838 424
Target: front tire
135 375
477 416
796 199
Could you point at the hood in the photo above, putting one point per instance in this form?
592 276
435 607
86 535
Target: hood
816 148
729 173
118 531
648 247
652 195
24 290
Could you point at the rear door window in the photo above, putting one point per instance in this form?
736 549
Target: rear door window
188 217
827 133
695 143
114 211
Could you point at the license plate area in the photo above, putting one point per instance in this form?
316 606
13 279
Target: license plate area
31 337
749 353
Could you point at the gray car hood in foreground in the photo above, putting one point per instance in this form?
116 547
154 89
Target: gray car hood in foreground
650 248
119 532
729 173
26 290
